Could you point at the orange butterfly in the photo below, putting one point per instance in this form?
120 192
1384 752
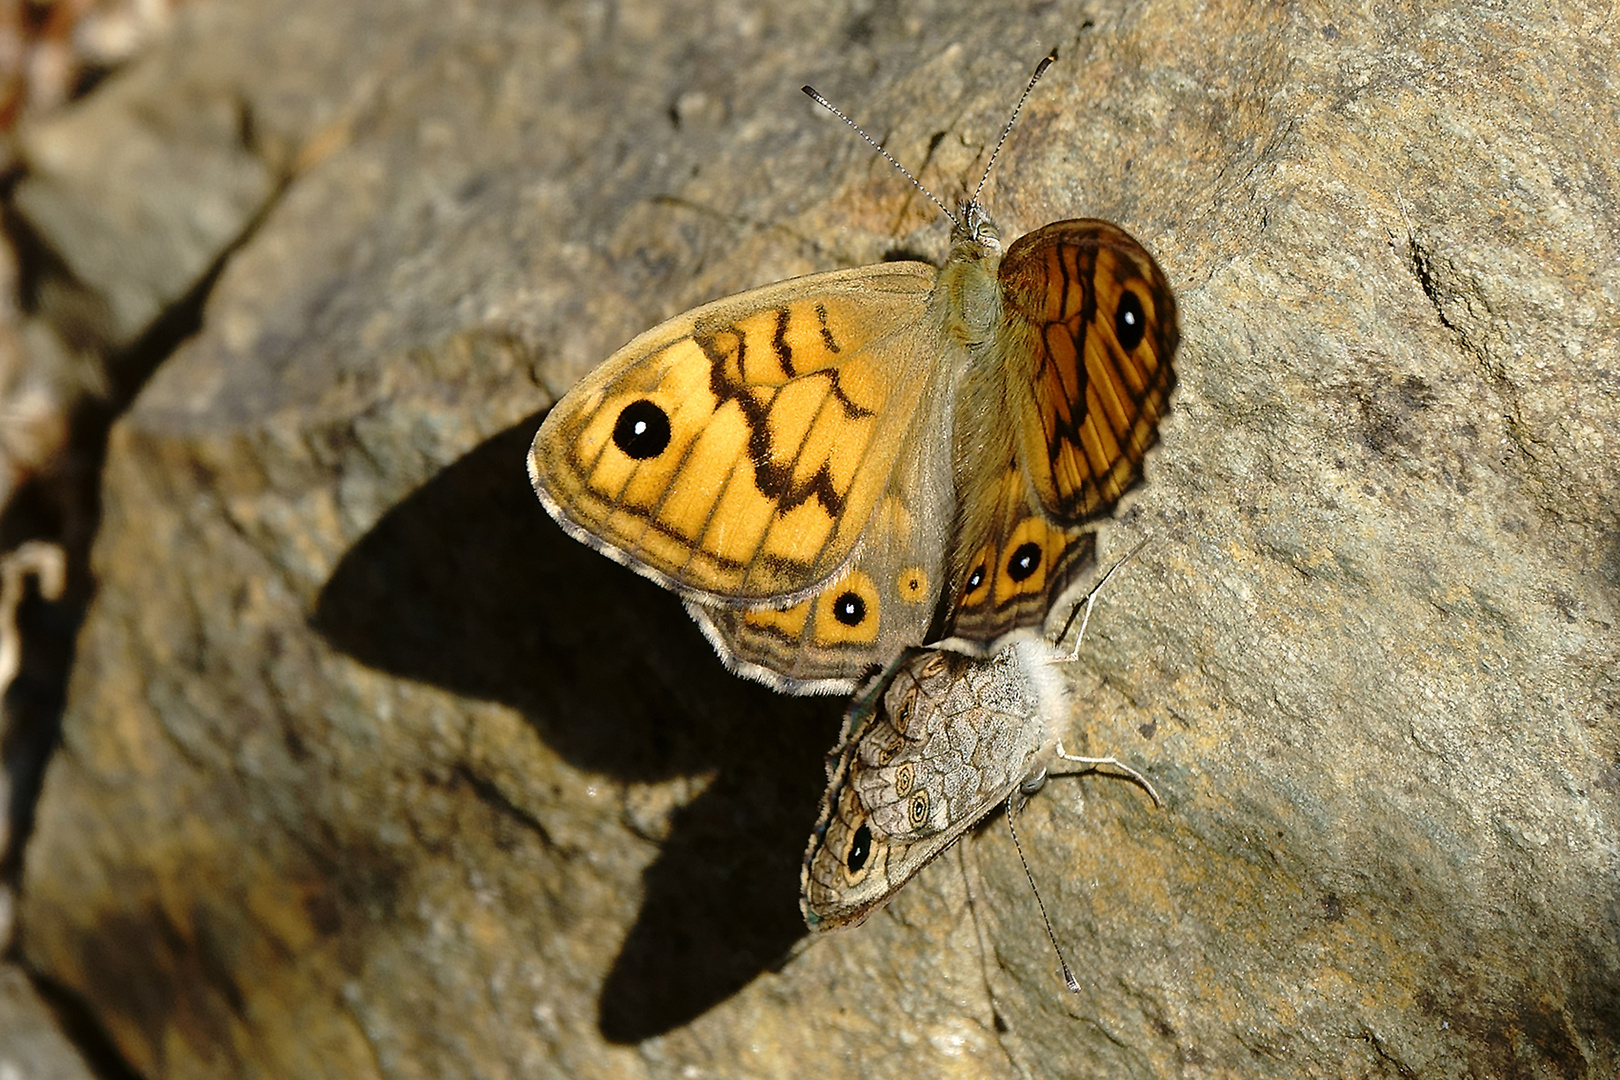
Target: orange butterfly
838 466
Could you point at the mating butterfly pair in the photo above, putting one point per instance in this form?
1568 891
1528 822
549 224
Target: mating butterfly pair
837 468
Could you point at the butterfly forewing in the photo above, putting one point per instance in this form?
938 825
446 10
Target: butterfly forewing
1092 376
737 452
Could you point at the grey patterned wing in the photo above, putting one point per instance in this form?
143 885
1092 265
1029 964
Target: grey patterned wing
930 749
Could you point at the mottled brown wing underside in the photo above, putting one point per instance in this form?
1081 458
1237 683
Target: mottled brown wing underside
736 453
926 752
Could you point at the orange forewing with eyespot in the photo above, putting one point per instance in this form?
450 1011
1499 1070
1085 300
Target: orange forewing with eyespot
736 452
1101 322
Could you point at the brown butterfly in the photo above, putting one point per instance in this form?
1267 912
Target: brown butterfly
927 751
835 467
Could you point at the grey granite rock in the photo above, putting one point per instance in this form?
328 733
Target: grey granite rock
368 771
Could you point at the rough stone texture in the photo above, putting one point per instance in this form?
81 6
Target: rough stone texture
368 771
31 1045
138 191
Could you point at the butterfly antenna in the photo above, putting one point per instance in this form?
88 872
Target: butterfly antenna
1040 69
1068 976
1085 603
810 91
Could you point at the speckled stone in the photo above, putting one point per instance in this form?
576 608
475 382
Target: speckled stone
368 771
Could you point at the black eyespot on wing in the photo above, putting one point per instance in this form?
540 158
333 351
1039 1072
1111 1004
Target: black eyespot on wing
849 609
1024 561
917 811
976 578
904 776
1130 321
859 848
642 430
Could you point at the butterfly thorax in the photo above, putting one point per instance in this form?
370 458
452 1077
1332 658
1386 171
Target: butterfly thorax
967 282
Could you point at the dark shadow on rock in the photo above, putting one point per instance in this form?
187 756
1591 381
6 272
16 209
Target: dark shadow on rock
467 584
720 903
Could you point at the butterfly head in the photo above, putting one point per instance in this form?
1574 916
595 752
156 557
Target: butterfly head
972 228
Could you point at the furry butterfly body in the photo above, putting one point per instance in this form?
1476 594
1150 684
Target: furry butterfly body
836 467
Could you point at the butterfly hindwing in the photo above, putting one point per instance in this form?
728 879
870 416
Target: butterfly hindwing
1017 565
882 602
928 750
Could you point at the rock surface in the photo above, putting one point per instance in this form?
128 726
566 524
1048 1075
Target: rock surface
136 193
31 1045
368 771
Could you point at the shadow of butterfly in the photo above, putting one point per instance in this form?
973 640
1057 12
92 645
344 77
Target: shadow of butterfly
836 467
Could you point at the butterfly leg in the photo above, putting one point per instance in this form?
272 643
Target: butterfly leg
1093 762
1074 654
1087 603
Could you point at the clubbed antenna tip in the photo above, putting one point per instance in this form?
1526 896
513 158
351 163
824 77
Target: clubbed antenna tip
1040 69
